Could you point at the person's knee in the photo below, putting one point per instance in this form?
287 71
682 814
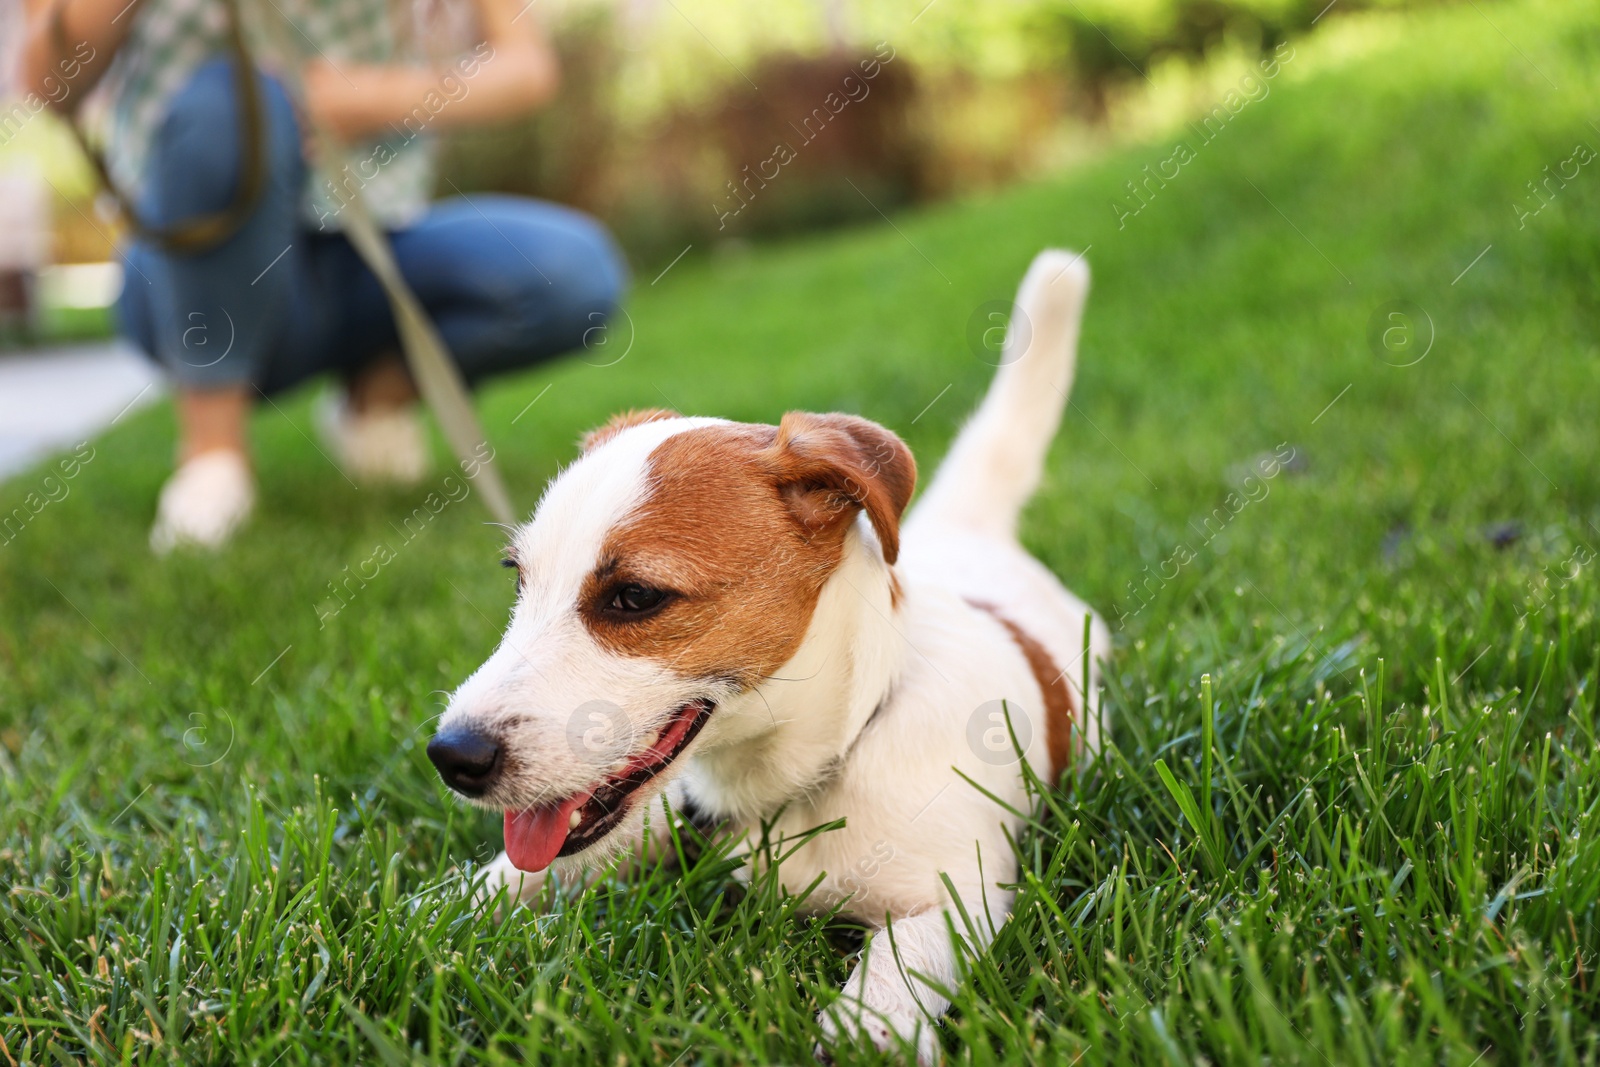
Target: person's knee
597 277
200 147
580 276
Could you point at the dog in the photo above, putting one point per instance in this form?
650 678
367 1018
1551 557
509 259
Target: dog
732 620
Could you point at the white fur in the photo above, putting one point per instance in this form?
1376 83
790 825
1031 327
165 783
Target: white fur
870 719
534 692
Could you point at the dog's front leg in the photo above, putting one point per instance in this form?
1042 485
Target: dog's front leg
894 993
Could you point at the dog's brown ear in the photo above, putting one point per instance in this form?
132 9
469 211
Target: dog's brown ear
617 423
829 467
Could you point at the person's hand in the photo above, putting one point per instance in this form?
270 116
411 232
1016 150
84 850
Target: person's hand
513 71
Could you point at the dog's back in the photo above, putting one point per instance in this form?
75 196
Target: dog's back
962 532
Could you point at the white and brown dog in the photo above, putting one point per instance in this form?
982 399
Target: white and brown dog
733 618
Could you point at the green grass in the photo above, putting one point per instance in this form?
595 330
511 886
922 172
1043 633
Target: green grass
1375 842
58 326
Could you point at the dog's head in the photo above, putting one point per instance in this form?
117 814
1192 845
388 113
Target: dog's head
674 566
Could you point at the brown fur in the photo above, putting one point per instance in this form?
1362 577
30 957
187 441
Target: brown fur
1059 712
745 524
828 466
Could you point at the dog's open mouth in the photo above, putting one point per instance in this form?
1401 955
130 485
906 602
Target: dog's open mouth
536 836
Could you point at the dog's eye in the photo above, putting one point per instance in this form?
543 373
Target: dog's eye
509 563
634 598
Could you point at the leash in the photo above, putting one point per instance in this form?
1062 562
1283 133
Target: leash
437 376
203 232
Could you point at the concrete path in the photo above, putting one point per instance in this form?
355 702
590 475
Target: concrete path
51 399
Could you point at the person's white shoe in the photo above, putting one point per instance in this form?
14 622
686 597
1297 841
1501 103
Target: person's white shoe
207 498
375 446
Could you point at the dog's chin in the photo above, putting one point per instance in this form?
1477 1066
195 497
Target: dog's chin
580 830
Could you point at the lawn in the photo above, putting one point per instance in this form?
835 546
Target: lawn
220 839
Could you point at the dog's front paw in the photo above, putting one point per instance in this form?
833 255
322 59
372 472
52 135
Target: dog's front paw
502 886
891 1031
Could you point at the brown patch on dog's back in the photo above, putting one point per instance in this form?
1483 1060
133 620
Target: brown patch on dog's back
744 533
1059 712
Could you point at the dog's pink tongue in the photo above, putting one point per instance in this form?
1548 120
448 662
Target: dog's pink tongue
534 836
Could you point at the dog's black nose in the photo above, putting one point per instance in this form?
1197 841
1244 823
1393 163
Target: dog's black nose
468 761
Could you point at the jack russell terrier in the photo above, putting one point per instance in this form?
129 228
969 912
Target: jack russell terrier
732 619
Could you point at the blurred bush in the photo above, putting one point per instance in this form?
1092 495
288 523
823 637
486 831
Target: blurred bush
1106 43
660 129
837 131
828 139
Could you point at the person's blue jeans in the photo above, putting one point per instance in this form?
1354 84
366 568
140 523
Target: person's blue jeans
507 281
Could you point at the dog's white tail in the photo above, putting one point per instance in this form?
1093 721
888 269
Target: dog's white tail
995 464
